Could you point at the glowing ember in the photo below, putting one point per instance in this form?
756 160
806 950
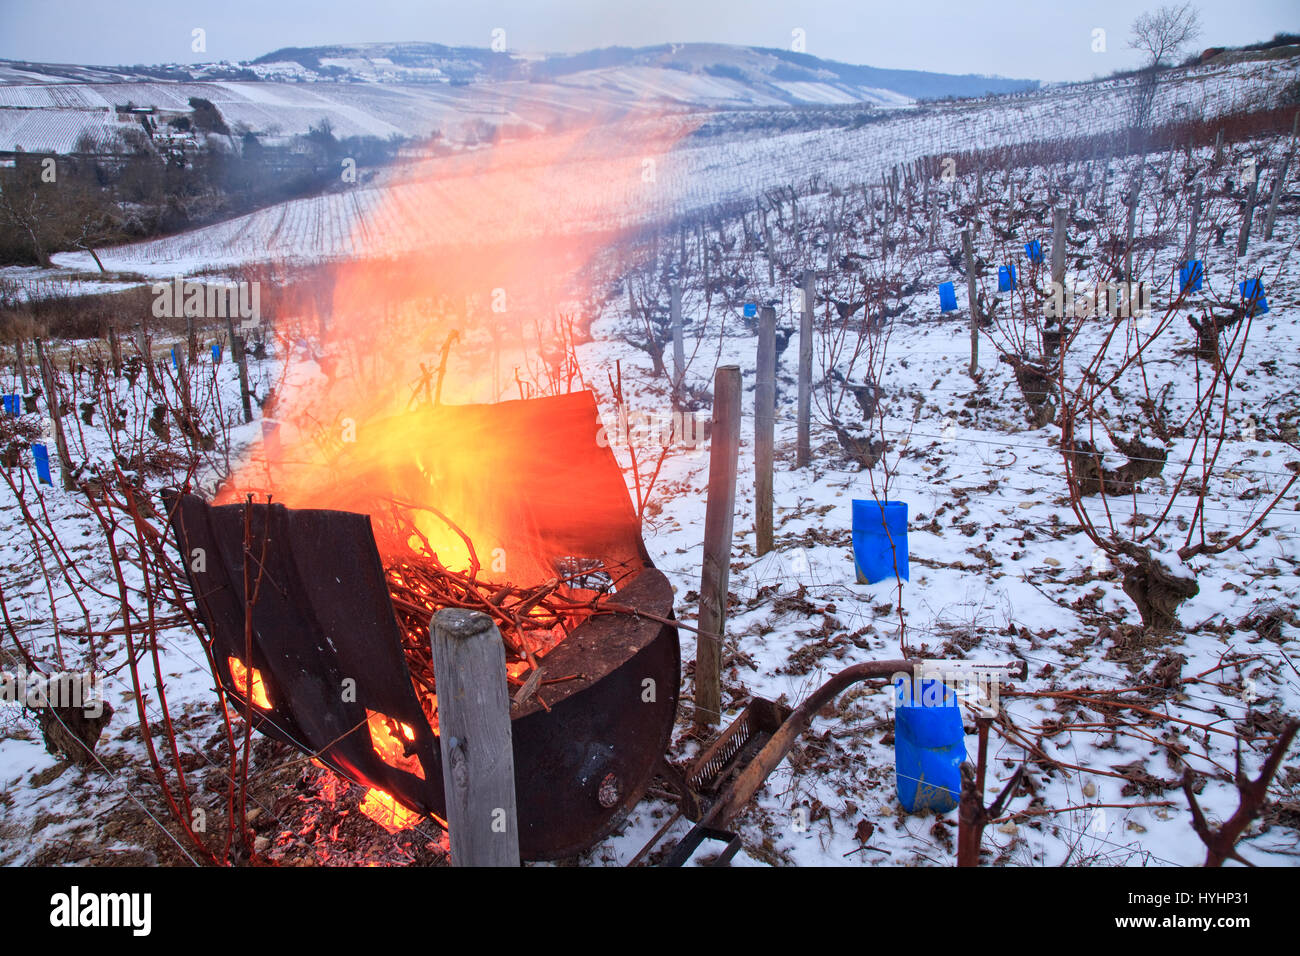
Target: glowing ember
387 812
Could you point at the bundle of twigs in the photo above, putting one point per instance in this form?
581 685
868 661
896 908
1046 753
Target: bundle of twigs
532 620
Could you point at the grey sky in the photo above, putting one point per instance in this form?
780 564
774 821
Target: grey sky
1046 39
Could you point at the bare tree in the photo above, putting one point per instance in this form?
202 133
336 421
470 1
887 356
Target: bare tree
1157 34
1165 32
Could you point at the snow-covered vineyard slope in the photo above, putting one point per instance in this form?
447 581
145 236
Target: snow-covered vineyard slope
697 174
1000 567
52 116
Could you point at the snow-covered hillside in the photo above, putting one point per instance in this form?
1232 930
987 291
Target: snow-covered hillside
697 173
416 90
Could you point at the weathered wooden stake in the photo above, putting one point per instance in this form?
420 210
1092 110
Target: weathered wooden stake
478 760
768 252
183 386
679 349
146 353
1189 251
115 350
1129 231
830 242
803 452
719 518
241 359
22 366
1058 247
764 429
972 298
46 368
1243 238
1279 180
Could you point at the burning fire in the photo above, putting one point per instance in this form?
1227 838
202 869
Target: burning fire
392 740
387 812
239 674
455 296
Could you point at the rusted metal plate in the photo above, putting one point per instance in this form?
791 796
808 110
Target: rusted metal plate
324 637
584 764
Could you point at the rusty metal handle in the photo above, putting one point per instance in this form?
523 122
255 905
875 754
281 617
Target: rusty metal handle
746 785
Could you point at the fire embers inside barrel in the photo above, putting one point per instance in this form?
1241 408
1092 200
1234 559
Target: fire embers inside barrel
532 620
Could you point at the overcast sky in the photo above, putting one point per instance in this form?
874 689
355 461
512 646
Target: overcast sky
1041 39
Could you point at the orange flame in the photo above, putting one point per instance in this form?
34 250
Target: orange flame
390 738
387 812
491 246
473 262
239 675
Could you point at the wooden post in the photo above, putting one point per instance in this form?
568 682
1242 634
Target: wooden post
478 760
768 251
115 350
1189 251
719 518
46 368
183 386
1218 148
1279 180
1243 238
803 454
1131 226
237 353
191 340
146 353
22 366
1058 247
704 257
679 349
764 429
972 298
833 228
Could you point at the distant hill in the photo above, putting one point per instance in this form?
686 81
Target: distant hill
722 73
458 94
